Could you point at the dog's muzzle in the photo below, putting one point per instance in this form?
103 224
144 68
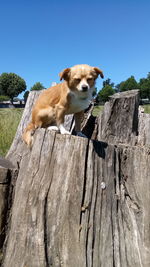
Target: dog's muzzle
84 88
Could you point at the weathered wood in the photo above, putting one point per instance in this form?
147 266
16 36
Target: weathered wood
144 129
62 217
6 173
119 120
85 203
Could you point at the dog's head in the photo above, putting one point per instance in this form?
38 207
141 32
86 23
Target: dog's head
81 77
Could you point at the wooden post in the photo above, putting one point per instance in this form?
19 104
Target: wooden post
81 202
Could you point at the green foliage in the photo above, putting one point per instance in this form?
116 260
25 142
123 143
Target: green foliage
108 82
11 85
145 90
144 85
37 86
106 91
25 96
129 84
104 94
4 98
9 120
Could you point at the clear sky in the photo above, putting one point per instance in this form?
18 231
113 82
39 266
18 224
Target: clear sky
39 38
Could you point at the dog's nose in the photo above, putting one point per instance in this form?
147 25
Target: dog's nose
84 88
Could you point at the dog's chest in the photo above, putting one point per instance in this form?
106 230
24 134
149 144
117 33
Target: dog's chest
77 103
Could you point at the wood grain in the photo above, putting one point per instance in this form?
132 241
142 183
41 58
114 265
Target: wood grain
82 202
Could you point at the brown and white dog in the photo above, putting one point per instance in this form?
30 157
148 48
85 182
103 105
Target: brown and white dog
72 96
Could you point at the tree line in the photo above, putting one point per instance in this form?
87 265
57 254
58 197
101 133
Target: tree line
11 85
109 88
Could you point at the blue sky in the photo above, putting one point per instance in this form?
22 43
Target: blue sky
40 38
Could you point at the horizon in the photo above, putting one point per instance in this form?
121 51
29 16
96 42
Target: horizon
40 39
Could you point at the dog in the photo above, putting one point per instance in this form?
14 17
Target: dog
72 96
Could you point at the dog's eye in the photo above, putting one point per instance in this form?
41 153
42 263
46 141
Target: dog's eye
90 79
78 80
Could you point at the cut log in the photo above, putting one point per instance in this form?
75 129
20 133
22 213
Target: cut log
119 120
88 212
81 202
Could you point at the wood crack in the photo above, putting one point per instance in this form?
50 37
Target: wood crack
84 184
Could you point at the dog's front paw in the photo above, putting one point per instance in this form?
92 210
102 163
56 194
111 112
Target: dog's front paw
63 130
53 128
81 134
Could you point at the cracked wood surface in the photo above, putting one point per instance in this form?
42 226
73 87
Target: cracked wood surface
81 202
144 129
118 123
49 225
7 173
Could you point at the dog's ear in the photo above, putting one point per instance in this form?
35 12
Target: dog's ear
99 72
65 74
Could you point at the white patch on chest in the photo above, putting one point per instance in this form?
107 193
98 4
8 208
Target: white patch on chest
79 102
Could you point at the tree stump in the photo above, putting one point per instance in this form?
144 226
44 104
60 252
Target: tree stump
119 121
82 202
7 173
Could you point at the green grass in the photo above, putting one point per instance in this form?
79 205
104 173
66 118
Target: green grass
146 108
97 110
9 120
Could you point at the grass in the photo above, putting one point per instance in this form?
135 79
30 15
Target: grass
146 108
97 110
9 120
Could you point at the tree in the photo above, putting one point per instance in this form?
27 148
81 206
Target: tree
11 85
25 96
37 86
1 91
144 85
108 82
129 84
105 93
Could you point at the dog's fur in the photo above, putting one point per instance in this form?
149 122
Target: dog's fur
72 96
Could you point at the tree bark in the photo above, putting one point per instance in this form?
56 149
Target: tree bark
82 202
7 173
